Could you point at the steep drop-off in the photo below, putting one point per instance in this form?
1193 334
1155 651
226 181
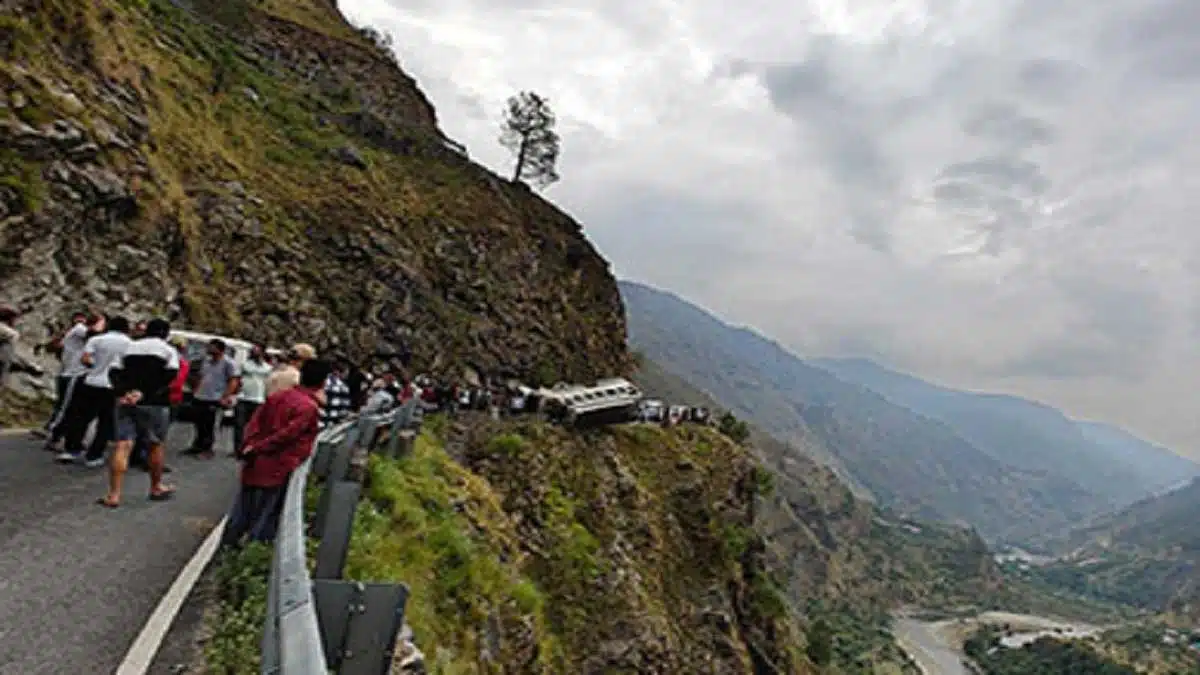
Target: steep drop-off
843 560
530 549
260 168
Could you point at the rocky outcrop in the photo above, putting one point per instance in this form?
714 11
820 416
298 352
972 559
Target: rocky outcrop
278 180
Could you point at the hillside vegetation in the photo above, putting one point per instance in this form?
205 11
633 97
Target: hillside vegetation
1045 656
919 467
261 168
530 549
1146 556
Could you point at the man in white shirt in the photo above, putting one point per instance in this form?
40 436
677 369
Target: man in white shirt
96 400
70 373
254 391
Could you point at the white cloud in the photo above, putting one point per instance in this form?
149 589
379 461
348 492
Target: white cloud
997 195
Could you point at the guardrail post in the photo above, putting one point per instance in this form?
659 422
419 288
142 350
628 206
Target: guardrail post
339 467
270 638
359 624
401 443
323 457
367 428
335 531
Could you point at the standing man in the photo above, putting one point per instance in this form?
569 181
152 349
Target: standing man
338 404
69 346
254 391
95 395
355 380
141 385
219 382
278 439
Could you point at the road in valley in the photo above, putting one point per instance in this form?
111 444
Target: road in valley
930 645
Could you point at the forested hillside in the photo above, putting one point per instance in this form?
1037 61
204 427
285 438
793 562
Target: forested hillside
1147 556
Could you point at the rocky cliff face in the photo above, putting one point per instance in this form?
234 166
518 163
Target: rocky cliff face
258 168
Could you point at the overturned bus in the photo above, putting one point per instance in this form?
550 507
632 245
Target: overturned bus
611 401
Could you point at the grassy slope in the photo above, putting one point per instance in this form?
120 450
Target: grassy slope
628 550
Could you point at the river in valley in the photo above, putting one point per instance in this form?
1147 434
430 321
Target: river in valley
936 646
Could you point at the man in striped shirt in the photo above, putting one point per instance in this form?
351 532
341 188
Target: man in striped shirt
338 401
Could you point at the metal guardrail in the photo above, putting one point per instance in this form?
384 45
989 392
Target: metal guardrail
322 623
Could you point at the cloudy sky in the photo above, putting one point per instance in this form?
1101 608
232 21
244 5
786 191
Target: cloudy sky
996 195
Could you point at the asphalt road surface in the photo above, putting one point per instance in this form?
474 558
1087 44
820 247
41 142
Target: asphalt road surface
928 648
77 580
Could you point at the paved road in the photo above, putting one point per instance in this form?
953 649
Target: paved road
78 581
925 643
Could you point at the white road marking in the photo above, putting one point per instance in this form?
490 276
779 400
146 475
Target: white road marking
141 653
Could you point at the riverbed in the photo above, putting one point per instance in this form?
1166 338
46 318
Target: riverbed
936 646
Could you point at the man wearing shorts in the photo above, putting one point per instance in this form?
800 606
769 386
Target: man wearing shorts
141 383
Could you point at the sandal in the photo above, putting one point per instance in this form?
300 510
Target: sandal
103 501
163 495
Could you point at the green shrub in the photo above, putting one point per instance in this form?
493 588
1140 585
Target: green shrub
237 622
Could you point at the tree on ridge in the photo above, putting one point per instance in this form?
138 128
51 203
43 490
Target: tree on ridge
528 133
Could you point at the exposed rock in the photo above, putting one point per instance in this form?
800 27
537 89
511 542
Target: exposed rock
224 204
351 157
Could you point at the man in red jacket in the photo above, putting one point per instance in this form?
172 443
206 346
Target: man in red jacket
278 438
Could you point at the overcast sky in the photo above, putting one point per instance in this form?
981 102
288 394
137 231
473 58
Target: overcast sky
996 195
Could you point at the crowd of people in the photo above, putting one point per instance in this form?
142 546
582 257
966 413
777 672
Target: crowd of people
127 382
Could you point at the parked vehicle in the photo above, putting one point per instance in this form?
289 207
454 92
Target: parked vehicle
651 410
676 414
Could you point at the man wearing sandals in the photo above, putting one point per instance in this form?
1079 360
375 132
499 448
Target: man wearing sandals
141 384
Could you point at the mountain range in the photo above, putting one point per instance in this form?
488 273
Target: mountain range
1102 459
1012 468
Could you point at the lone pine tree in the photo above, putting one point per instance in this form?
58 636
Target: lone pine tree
528 132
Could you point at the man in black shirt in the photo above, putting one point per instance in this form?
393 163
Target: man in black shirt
141 382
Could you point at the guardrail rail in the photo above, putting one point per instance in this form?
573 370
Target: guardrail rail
321 622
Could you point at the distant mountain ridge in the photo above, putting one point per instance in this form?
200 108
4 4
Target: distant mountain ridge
1105 460
914 463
